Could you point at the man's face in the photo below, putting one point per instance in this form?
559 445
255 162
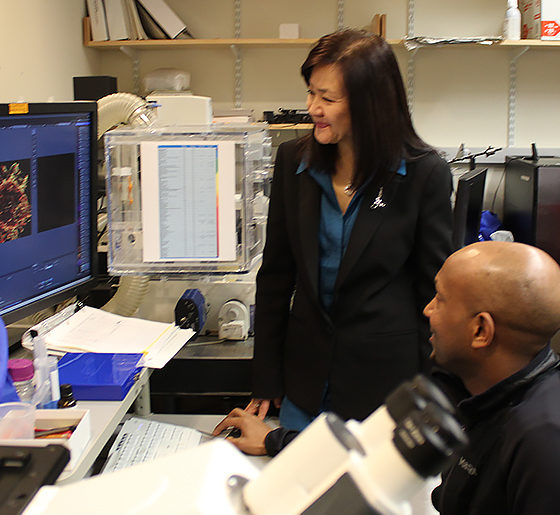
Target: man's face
449 321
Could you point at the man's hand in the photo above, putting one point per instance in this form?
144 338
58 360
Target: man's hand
253 431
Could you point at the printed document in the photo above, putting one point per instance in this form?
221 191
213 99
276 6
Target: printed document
94 330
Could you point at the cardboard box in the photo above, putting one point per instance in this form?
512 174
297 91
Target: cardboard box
53 418
540 19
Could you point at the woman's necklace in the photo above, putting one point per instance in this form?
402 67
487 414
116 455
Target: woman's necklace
348 190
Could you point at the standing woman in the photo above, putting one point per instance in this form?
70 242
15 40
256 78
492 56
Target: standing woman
359 223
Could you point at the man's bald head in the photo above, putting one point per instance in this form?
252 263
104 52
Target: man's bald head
517 284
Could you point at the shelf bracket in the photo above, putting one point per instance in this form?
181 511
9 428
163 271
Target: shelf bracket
134 56
237 76
237 67
410 76
340 15
512 97
410 26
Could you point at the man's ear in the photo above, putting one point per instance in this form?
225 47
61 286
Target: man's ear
483 331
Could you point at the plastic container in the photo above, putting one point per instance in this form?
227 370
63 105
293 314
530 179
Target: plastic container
55 384
17 420
233 160
512 22
43 395
21 371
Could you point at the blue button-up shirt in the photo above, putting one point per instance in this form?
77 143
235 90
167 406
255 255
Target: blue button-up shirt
334 230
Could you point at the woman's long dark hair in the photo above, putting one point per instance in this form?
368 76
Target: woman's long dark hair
382 130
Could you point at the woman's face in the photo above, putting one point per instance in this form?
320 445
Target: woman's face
327 104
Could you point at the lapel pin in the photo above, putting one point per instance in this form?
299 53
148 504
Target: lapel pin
378 202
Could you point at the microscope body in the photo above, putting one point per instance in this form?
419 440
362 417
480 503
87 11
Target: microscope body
332 467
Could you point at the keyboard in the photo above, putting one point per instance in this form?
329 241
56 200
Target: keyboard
143 440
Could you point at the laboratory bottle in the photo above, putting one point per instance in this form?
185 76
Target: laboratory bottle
42 397
67 399
21 371
53 375
512 22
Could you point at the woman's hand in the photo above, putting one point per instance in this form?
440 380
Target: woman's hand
259 407
253 431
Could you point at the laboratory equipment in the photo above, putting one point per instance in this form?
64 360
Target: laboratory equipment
469 199
17 421
21 371
180 107
532 201
192 211
156 292
23 470
190 310
233 321
67 399
48 177
47 390
330 468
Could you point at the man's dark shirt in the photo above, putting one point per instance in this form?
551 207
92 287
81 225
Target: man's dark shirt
512 464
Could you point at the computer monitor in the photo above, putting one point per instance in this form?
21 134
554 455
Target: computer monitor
468 207
48 173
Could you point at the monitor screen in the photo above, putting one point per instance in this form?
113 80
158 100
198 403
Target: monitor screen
468 207
48 171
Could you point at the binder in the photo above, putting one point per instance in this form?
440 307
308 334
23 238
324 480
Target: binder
96 11
117 20
150 26
136 29
162 14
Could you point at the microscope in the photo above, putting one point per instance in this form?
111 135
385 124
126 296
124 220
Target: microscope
332 467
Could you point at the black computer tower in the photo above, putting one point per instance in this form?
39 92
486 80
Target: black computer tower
532 202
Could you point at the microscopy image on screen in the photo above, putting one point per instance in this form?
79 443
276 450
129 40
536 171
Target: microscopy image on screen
15 204
56 191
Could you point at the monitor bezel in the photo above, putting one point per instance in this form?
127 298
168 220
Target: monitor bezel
11 315
462 200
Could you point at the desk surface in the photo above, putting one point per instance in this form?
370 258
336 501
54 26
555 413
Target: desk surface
208 347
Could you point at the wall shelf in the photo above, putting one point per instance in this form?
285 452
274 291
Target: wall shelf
169 44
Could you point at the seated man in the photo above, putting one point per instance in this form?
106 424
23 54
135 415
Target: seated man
497 306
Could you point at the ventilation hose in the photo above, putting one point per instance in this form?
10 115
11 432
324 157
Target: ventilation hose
113 110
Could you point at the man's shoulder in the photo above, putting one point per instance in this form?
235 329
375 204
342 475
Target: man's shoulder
537 410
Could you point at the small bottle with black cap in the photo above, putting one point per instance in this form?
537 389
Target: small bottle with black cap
67 399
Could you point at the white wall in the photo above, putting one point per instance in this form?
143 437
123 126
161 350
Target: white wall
461 94
41 49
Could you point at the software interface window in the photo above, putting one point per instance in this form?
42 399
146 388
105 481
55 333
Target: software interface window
44 208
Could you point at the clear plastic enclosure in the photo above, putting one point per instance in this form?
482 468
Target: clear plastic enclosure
187 200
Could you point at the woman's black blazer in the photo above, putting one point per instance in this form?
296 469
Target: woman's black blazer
374 336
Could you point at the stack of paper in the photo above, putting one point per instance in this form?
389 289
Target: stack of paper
94 330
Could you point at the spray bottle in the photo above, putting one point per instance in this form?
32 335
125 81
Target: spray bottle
512 22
